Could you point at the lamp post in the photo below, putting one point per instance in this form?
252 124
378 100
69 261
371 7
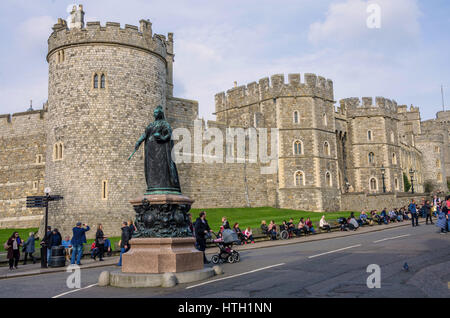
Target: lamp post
411 174
383 171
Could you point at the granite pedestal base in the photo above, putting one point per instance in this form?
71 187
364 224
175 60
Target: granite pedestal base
162 255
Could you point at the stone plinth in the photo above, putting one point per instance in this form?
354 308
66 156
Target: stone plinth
162 255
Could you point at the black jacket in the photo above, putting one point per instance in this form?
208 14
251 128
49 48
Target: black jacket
99 236
55 239
200 228
125 236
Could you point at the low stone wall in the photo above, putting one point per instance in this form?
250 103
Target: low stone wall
21 222
363 201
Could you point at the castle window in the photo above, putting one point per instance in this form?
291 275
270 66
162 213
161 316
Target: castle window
104 190
439 177
396 184
103 81
299 178
392 137
371 157
438 163
373 184
437 149
38 158
298 147
369 135
326 148
296 117
58 151
394 158
35 185
324 119
328 179
95 80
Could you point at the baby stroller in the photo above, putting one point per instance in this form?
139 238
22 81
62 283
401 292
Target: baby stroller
225 245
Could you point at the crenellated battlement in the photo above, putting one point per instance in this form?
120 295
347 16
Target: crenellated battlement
23 123
94 33
275 87
367 105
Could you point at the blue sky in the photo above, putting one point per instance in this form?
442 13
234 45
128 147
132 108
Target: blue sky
222 41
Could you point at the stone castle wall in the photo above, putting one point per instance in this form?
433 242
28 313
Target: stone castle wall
100 126
22 140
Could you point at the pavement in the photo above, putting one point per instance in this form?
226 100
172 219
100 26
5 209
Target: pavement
335 266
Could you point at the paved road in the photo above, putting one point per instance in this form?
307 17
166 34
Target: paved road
326 268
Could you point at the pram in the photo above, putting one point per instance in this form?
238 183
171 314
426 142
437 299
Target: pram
225 245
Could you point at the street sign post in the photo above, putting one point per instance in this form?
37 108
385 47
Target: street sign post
42 202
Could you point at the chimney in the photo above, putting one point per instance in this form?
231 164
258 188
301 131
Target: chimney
77 17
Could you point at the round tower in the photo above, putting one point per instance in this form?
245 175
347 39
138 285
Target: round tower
104 82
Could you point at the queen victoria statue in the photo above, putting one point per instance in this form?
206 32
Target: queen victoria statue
162 211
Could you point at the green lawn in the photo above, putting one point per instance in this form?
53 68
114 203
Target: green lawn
5 234
252 216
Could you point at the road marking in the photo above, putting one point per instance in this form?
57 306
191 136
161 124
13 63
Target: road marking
253 271
392 238
341 249
75 290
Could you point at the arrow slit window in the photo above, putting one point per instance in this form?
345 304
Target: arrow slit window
104 190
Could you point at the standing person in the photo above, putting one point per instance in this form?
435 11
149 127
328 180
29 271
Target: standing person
13 256
78 239
67 247
202 229
124 241
445 209
46 242
132 228
427 209
414 215
100 242
29 248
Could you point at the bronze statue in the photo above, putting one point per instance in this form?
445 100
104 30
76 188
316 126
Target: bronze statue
160 170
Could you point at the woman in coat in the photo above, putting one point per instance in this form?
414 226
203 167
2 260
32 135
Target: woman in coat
29 248
99 242
13 256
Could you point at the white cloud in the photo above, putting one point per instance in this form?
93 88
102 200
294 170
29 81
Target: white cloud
345 23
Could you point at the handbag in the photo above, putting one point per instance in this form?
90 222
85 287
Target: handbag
6 246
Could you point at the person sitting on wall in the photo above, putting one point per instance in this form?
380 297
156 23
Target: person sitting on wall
239 233
376 217
273 230
264 227
301 227
363 219
392 216
291 227
249 234
323 224
310 226
225 223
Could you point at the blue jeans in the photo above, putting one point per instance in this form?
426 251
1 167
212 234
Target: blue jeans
77 252
49 254
122 251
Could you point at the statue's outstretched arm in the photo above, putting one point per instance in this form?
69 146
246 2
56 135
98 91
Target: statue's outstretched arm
140 140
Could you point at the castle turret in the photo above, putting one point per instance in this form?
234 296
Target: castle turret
104 83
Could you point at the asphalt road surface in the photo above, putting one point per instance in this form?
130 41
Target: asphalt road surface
326 268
